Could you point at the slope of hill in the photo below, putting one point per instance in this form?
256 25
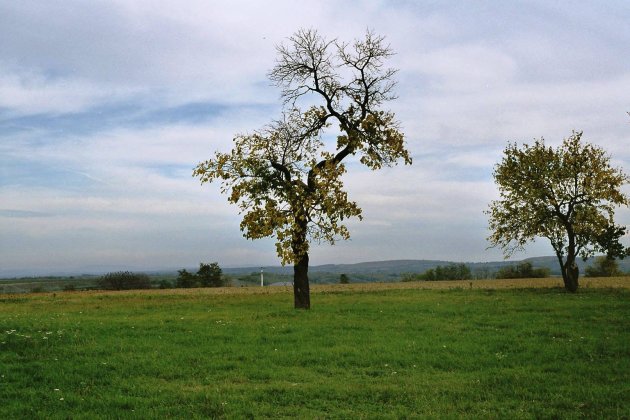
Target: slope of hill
393 269
329 273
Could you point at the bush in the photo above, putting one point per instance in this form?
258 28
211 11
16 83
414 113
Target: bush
410 277
523 270
165 284
343 279
186 279
124 280
448 272
603 267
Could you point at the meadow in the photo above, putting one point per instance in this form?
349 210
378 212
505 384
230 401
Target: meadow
495 349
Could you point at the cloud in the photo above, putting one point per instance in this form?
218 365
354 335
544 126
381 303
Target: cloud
24 92
22 214
106 107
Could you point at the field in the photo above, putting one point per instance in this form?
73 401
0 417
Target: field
495 349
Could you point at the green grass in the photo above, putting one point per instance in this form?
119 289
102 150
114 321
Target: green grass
534 353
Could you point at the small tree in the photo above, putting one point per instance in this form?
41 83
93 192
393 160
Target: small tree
343 279
603 266
210 275
567 195
185 279
286 178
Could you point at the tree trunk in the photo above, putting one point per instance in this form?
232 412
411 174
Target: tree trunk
570 270
301 291
570 275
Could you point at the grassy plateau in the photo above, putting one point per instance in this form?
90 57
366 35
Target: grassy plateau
404 350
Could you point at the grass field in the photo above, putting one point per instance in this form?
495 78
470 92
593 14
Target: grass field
364 351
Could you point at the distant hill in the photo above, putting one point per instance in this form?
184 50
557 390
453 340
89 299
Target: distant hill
329 273
393 269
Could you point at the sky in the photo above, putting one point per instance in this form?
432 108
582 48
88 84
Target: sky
106 106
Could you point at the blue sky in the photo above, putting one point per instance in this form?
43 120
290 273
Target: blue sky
106 106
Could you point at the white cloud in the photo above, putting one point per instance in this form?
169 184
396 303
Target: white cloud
24 92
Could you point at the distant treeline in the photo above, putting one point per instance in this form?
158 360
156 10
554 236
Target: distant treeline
448 272
522 270
211 275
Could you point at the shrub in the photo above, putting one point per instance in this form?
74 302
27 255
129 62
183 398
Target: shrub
165 284
448 272
410 277
603 267
523 270
124 280
186 279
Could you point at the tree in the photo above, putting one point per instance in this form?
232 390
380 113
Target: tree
344 279
210 275
287 177
603 266
185 279
567 195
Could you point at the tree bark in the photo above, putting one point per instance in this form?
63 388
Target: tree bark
570 270
570 274
301 290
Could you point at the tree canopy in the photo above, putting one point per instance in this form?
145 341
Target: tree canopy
566 194
286 178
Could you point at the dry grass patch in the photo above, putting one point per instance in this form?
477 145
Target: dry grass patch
551 282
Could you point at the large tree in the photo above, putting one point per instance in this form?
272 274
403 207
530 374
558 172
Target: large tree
287 177
566 194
